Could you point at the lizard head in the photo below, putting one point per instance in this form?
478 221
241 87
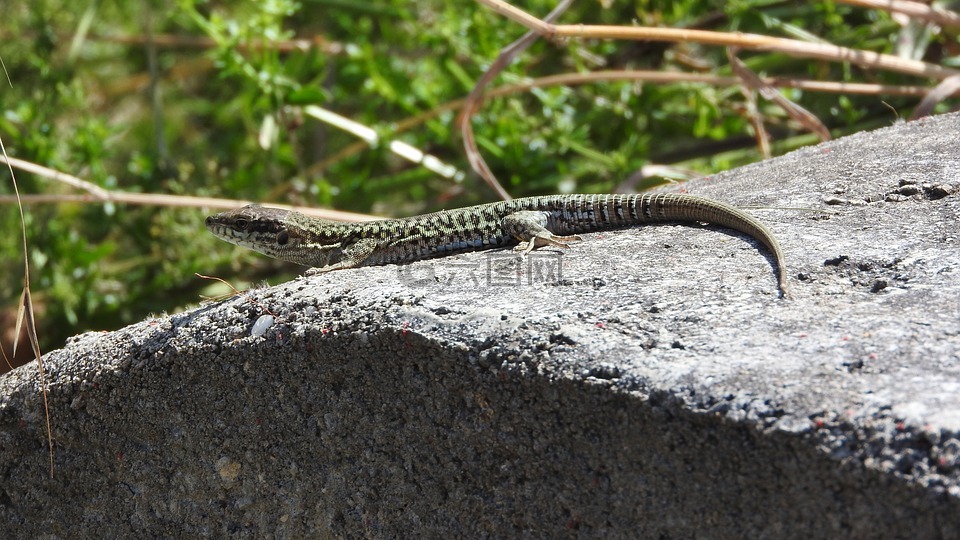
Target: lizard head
275 232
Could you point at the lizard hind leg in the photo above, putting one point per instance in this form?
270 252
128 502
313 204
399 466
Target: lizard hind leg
530 228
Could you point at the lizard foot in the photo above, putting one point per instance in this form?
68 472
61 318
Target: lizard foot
544 239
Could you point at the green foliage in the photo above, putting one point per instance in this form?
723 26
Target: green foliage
225 118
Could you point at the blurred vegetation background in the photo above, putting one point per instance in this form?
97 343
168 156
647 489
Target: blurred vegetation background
207 98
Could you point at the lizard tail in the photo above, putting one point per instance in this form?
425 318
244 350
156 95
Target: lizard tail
681 207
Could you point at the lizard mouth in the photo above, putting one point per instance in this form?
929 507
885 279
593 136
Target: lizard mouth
235 231
229 234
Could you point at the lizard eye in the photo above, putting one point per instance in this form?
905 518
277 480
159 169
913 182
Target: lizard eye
241 224
283 237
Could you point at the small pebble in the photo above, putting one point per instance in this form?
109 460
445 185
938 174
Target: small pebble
261 326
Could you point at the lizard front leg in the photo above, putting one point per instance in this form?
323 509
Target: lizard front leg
352 256
530 228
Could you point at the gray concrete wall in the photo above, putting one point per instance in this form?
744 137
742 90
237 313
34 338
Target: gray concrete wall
644 383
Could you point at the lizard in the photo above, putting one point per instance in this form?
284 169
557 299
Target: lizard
534 222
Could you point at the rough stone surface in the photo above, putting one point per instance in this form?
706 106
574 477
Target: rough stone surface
645 383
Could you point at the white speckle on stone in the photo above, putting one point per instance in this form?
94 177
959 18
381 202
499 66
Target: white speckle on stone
913 412
793 424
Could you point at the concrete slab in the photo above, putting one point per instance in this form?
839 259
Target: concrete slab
646 383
